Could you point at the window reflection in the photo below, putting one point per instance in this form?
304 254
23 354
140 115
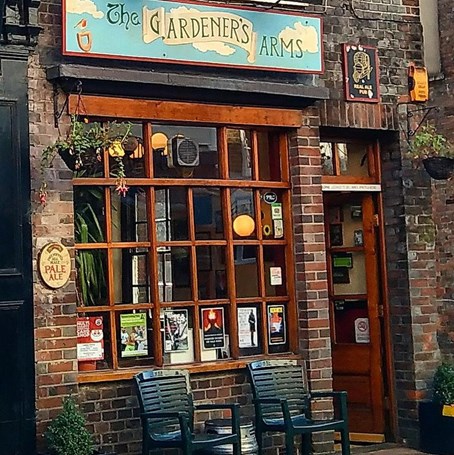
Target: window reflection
211 273
269 156
246 271
171 214
129 216
174 274
190 152
131 275
208 213
239 151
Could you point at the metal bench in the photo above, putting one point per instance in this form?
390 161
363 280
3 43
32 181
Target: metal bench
167 414
283 404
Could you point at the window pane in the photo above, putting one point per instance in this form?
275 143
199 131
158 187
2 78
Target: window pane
271 214
275 276
174 274
208 214
326 150
249 329
89 214
94 340
185 152
353 159
243 213
129 216
212 279
269 156
131 275
246 271
239 151
347 315
277 328
134 338
171 214
214 339
178 335
91 267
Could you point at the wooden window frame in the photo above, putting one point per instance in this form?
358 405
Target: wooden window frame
222 117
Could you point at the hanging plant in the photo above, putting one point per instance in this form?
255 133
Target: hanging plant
82 150
434 151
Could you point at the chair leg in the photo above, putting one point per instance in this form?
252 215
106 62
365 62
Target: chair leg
306 444
289 444
237 448
259 437
345 441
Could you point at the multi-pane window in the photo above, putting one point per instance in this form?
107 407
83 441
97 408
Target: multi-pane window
194 264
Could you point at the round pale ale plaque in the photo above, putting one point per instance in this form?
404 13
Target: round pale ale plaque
54 265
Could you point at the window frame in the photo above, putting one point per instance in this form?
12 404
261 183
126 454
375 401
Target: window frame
224 183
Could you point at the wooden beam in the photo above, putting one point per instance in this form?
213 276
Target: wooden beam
142 109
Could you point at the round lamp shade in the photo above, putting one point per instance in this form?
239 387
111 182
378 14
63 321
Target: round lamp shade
243 225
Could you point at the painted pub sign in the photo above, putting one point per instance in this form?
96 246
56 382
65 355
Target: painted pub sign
193 33
361 73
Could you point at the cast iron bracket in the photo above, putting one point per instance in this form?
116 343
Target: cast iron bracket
410 114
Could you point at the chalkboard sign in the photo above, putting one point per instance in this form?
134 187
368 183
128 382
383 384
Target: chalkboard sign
361 73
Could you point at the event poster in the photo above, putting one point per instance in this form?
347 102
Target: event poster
133 328
276 324
247 327
176 331
213 328
90 338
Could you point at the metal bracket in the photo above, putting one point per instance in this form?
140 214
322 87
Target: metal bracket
411 132
58 112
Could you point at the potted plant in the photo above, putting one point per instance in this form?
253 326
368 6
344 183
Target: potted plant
67 433
435 152
82 150
436 417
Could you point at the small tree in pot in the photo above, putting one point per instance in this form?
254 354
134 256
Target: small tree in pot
436 418
435 152
67 433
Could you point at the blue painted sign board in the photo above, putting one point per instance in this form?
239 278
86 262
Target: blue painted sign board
193 33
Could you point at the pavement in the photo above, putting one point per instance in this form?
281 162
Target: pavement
385 449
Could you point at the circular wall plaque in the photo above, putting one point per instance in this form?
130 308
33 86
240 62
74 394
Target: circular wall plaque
54 265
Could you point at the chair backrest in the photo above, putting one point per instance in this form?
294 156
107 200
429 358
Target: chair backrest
280 379
164 391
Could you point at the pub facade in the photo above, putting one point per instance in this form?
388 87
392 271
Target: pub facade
257 204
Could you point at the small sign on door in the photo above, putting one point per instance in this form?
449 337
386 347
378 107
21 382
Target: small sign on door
362 332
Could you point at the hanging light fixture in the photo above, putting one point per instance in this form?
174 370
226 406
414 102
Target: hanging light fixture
243 225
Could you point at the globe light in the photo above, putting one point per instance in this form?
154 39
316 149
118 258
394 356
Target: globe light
243 225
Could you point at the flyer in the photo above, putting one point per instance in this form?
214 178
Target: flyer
176 331
213 333
276 324
90 338
247 327
133 337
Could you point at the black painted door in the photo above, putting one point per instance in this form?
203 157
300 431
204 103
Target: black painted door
16 311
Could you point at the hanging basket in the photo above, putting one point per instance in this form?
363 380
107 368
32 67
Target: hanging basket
439 167
89 160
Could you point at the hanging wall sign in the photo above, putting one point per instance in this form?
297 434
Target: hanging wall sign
54 265
361 73
193 33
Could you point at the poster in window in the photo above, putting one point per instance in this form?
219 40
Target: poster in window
213 333
90 338
276 324
133 336
247 327
176 331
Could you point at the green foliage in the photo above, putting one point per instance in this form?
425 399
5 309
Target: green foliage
90 264
86 142
427 143
444 384
67 434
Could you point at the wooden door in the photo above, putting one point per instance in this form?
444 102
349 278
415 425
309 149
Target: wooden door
355 308
17 393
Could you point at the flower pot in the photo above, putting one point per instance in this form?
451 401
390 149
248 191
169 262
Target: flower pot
87 365
439 167
89 161
436 431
